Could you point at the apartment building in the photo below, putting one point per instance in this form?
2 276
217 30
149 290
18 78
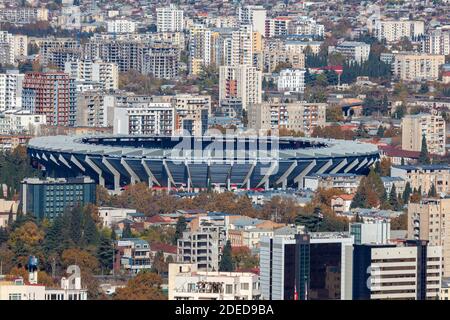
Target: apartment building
133 255
51 94
308 27
56 51
21 122
186 282
298 116
104 73
169 19
23 15
409 271
146 119
201 248
200 48
429 220
120 26
11 90
291 80
347 182
277 27
243 82
91 110
414 127
395 30
246 47
417 66
437 42
376 232
192 113
12 47
159 60
253 15
353 51
425 176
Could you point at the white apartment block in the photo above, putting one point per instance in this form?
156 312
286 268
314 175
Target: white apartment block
415 66
437 42
277 27
242 46
11 90
120 26
297 116
395 272
292 80
105 73
309 27
21 122
169 19
241 81
147 119
414 127
395 30
200 247
187 283
353 51
253 15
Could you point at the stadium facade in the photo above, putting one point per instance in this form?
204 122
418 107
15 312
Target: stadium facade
199 162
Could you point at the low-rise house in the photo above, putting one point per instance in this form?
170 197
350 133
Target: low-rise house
111 215
341 203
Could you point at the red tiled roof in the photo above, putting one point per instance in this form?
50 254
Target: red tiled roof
344 196
391 151
155 219
163 247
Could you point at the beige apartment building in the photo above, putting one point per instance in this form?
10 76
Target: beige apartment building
417 66
430 220
297 116
432 126
395 30
425 177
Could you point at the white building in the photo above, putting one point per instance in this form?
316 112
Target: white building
292 80
253 15
11 90
21 122
111 216
169 19
187 283
353 51
437 42
395 30
148 119
120 26
309 27
105 73
242 46
377 232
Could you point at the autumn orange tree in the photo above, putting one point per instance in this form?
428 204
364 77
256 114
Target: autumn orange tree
144 286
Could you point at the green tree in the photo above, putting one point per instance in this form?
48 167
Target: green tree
76 224
105 252
90 234
126 233
226 262
393 199
406 193
179 229
424 157
432 192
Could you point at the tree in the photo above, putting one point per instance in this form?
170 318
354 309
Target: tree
407 193
226 262
393 199
105 252
90 234
243 258
179 229
432 192
145 286
159 265
126 233
400 222
424 157
76 223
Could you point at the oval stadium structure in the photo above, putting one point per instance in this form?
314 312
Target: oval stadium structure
199 162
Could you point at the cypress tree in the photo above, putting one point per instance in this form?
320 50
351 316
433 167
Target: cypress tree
407 193
127 231
432 192
393 199
105 252
424 157
226 263
90 235
179 229
76 223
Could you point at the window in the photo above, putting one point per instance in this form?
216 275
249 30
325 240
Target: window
244 286
15 296
229 289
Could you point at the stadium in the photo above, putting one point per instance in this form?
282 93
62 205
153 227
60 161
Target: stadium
195 163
